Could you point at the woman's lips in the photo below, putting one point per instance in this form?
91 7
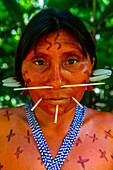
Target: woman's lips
59 101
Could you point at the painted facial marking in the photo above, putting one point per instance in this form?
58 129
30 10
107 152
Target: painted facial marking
55 42
11 134
59 44
86 72
39 158
25 72
1 166
18 152
81 161
93 137
112 156
103 154
49 43
28 81
28 136
8 115
78 141
108 134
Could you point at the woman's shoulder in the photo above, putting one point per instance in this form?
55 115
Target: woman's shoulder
100 117
94 112
11 116
12 112
17 108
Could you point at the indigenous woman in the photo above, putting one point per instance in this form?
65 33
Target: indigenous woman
55 131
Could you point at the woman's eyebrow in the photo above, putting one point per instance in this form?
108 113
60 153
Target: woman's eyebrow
74 52
40 54
35 56
75 43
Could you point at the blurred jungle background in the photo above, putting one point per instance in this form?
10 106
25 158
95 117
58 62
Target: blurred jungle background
97 15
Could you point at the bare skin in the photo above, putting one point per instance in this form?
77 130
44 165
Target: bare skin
58 61
93 146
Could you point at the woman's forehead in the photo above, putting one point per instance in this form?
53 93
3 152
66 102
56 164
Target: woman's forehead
61 36
58 40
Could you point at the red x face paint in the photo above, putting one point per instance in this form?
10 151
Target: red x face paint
58 61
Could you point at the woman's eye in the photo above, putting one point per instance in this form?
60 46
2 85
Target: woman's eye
39 62
71 61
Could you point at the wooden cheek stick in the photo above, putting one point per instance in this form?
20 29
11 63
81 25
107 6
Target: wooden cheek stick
77 85
32 88
36 104
77 102
56 114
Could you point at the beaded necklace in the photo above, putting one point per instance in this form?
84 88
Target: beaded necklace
50 163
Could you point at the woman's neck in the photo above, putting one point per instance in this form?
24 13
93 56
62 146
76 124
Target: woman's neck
46 121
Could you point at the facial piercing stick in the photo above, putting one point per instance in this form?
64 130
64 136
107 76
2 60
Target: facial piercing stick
56 114
31 88
77 102
77 85
36 104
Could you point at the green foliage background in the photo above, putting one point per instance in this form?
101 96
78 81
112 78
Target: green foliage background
97 15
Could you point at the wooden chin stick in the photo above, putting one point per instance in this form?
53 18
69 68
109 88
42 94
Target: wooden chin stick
77 102
77 85
36 104
56 114
32 88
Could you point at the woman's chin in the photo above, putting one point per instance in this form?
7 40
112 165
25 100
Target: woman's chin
51 108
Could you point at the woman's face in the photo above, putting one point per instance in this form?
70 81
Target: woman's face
58 61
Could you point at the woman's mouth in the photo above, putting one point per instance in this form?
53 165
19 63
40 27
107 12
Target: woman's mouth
59 101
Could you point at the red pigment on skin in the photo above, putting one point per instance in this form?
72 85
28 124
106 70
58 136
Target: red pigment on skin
103 154
112 156
108 134
25 72
28 81
49 43
55 40
18 152
10 135
93 137
81 161
78 141
59 44
1 166
66 160
86 72
8 115
39 158
28 136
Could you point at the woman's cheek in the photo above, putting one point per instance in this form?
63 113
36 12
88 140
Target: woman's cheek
34 95
28 75
25 74
80 74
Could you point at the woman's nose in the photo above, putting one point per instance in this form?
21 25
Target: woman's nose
56 77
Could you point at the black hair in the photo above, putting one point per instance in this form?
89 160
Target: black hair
50 20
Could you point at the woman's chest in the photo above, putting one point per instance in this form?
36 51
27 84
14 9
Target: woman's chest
91 150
